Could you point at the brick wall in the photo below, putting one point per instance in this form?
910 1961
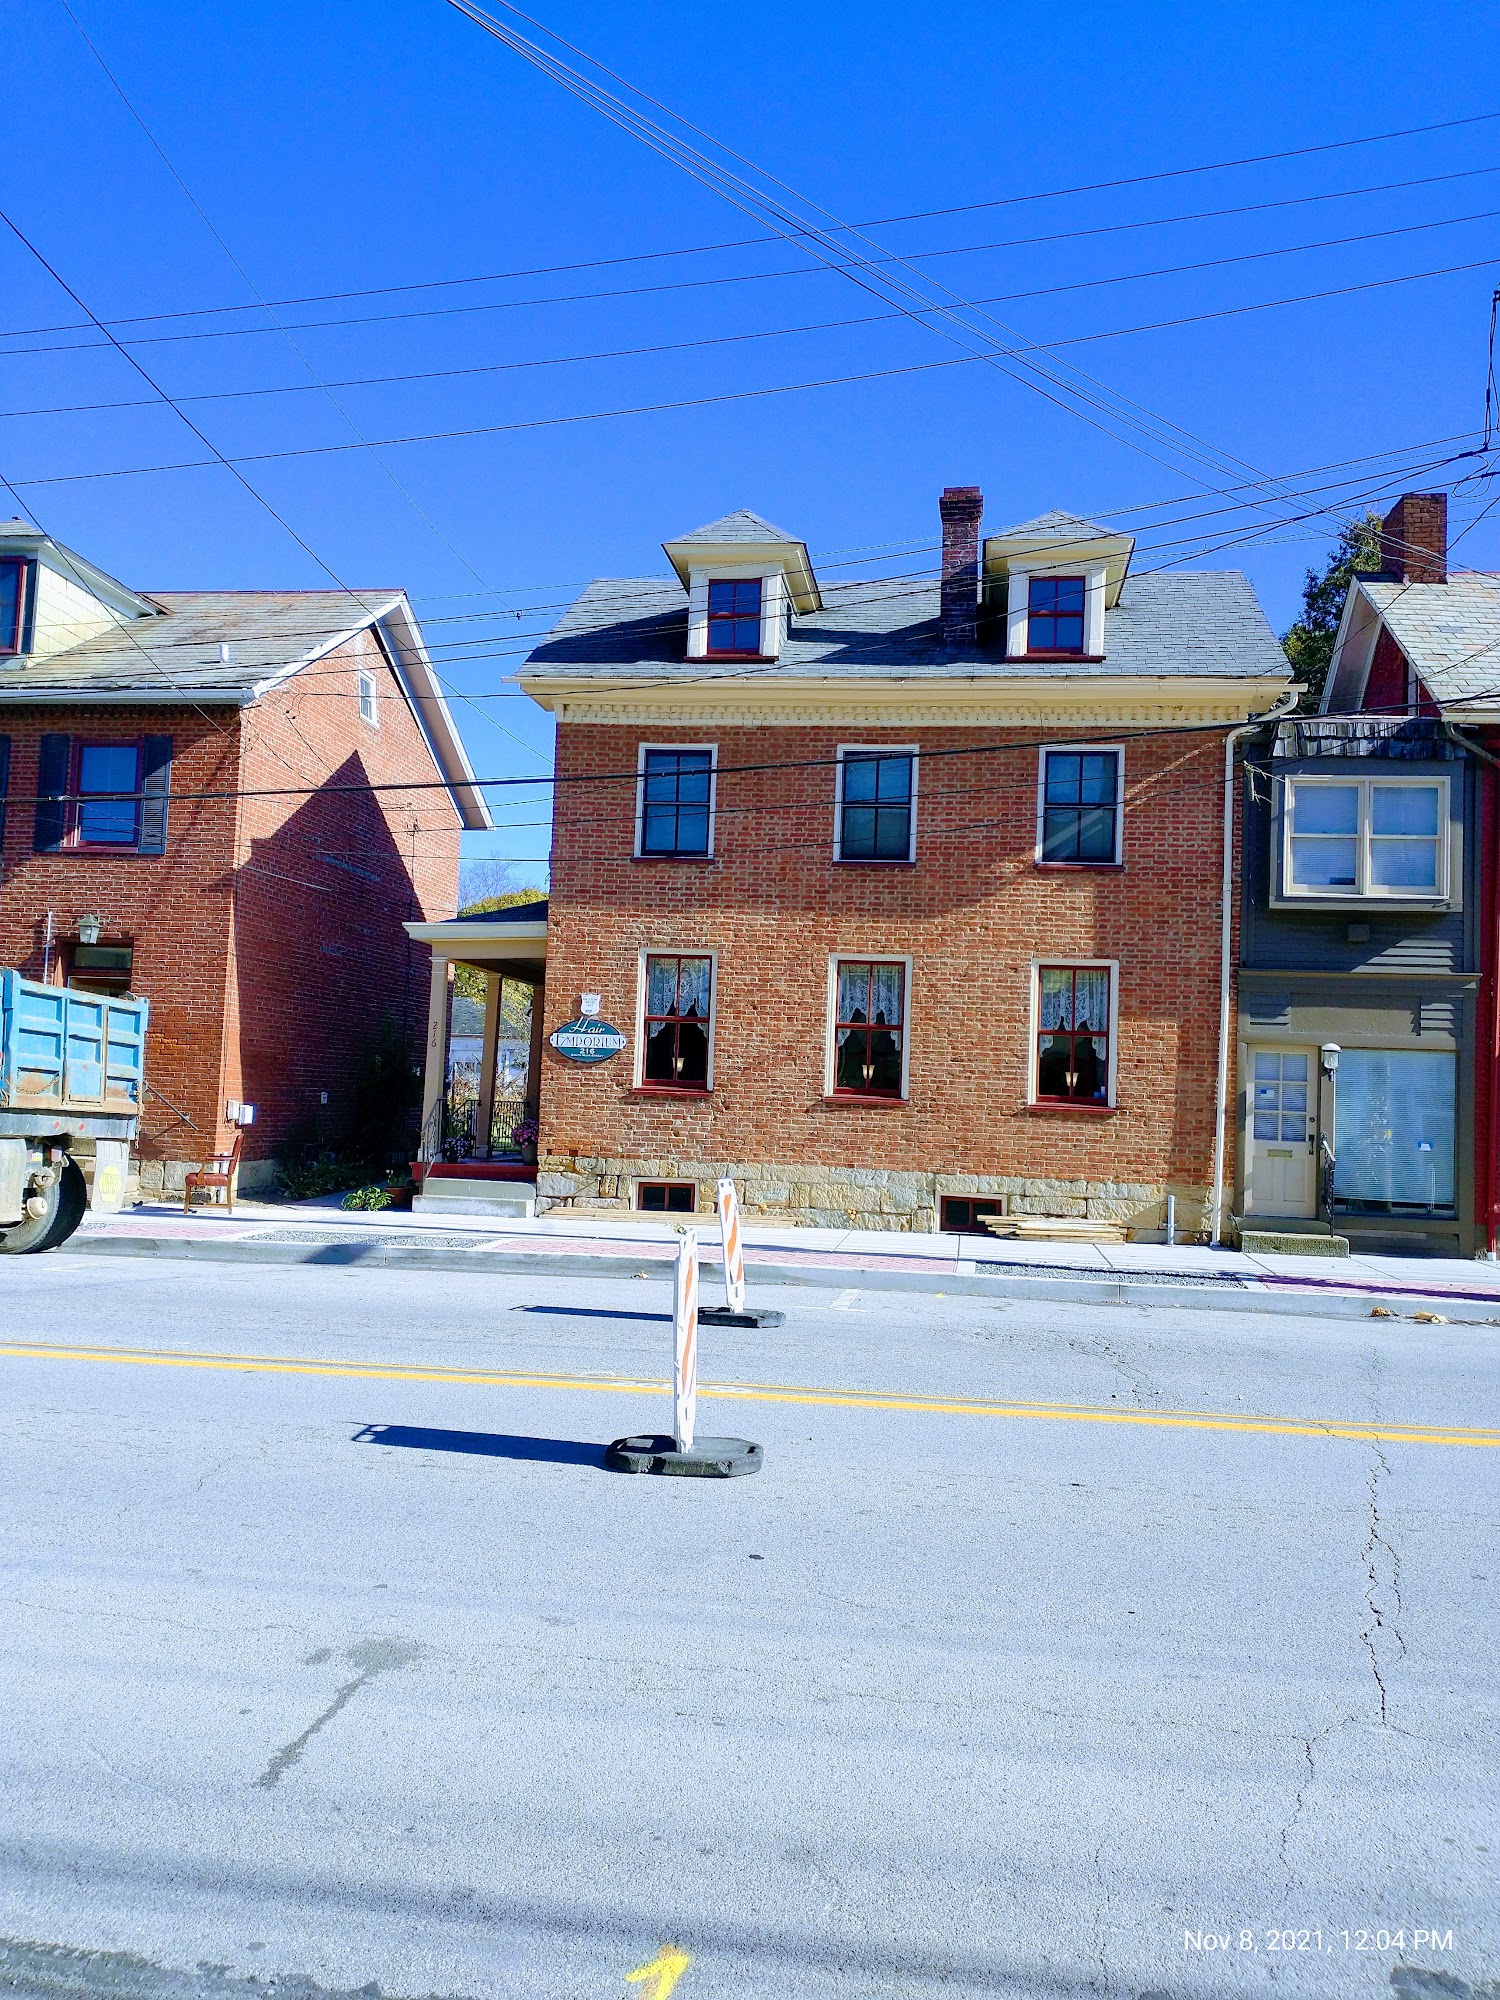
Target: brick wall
269 936
323 886
173 907
973 912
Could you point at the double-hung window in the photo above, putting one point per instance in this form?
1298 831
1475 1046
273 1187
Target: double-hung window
869 1027
677 1021
674 815
1054 607
1080 807
13 579
106 786
1378 838
1074 1034
734 615
369 698
877 796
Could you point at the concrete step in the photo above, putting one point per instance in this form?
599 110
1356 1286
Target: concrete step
449 1194
1292 1243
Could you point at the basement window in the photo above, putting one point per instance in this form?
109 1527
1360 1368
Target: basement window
963 1214
666 1197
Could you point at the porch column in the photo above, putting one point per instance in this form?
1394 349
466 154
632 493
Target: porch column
435 1074
534 1053
494 986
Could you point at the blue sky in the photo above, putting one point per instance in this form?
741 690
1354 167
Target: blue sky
343 148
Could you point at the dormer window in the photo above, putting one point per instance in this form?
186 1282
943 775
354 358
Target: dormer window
1054 608
734 615
12 606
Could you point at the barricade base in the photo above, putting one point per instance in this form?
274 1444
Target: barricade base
709 1458
722 1316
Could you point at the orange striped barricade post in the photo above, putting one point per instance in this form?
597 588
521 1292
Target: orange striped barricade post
734 1311
685 1341
684 1452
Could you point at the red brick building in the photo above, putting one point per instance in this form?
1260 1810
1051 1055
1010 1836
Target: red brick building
186 811
903 896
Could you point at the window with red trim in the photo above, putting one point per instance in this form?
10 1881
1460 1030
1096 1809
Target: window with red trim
679 999
1054 607
870 1021
12 605
1073 1031
734 615
106 808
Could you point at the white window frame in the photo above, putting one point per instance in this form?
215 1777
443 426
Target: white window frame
367 688
858 955
640 800
773 609
1046 750
1059 958
1288 893
873 750
674 951
1018 608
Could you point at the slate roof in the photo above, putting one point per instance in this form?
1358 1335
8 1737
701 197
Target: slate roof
1187 624
163 659
1057 525
740 526
1449 631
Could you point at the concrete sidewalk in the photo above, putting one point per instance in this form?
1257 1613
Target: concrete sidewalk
322 1232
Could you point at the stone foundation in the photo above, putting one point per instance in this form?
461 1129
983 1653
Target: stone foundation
817 1197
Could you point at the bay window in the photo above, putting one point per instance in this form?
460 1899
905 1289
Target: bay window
1074 1034
1366 838
869 1027
677 1021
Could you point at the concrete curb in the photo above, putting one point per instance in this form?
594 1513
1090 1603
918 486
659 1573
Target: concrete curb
1222 1295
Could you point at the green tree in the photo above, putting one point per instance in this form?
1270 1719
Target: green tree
1309 643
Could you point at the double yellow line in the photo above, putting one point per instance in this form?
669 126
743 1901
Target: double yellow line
1374 1431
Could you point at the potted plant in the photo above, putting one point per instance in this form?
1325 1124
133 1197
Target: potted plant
523 1136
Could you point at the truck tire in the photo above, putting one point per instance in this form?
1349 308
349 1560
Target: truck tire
66 1200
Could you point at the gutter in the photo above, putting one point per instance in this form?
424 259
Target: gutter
1282 706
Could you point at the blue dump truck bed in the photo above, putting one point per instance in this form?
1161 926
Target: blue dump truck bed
70 1053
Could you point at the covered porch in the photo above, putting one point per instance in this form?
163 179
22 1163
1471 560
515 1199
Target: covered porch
482 1070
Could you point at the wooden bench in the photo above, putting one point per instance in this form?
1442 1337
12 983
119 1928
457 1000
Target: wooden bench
218 1172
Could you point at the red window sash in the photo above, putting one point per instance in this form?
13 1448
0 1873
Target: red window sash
78 798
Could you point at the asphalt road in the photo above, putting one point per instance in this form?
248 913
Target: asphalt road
1003 1678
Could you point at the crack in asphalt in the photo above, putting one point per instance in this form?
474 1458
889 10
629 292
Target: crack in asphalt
1378 1552
372 1657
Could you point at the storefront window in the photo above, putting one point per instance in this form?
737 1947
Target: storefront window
1395 1144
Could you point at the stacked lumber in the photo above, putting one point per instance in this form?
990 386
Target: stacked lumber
1056 1229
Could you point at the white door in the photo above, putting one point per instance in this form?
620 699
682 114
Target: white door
1282 1147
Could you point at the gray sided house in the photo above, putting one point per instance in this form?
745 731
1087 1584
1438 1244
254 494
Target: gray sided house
1358 974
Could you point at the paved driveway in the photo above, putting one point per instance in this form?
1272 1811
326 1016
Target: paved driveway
1057 1651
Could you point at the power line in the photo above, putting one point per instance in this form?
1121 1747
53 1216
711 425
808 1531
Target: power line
317 385
735 395
639 291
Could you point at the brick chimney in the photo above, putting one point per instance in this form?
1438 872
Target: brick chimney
1414 538
961 508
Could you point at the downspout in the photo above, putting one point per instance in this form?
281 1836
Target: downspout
1489 918
1283 705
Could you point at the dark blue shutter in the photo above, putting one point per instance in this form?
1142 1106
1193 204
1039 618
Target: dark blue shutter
51 789
156 784
4 782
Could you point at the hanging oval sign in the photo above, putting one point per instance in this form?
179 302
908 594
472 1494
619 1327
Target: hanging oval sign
587 1040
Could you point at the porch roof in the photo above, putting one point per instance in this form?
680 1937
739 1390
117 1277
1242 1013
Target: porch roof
517 933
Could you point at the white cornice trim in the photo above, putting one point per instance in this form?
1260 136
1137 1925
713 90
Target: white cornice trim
955 702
